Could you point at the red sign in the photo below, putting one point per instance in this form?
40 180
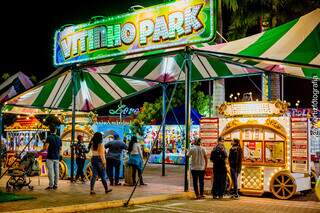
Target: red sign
299 145
209 133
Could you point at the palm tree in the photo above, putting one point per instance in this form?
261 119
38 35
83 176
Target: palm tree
265 14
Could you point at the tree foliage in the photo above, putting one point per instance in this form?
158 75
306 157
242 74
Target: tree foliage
252 15
150 112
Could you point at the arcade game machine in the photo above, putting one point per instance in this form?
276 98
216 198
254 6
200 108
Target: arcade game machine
19 134
174 143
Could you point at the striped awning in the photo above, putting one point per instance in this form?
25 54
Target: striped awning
14 85
93 91
292 49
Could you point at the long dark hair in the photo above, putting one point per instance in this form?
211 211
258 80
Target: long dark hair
96 140
132 141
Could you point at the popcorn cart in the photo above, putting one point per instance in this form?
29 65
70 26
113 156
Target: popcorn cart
276 156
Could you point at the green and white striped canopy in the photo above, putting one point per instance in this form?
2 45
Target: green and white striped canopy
292 49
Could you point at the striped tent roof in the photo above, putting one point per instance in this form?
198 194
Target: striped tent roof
93 91
293 49
14 85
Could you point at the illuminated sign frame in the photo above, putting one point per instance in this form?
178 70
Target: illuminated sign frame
253 108
168 25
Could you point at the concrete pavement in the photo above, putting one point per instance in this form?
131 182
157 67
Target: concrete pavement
72 197
74 194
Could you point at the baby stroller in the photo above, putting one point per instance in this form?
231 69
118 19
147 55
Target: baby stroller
20 175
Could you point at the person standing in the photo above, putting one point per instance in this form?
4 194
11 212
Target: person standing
135 159
53 146
113 158
98 163
218 157
235 161
81 151
199 163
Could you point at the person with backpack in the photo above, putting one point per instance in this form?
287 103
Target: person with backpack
235 161
199 163
218 157
115 148
53 146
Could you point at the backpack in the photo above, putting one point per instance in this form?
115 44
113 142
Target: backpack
218 155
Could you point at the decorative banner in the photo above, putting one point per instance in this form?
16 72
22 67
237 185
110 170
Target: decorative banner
299 145
163 26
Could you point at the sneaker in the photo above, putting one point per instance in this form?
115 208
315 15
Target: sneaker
49 188
108 190
235 196
55 187
215 197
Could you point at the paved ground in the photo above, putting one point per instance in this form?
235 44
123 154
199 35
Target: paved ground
70 194
244 204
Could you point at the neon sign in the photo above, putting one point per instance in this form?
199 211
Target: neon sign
175 24
124 110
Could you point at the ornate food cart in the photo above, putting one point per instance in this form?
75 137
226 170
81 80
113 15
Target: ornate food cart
276 156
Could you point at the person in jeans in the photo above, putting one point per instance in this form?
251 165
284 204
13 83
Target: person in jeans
199 163
235 160
115 148
81 151
135 159
218 158
53 146
98 163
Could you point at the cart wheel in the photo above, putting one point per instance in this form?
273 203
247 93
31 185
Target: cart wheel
313 178
283 186
229 182
88 172
62 170
30 188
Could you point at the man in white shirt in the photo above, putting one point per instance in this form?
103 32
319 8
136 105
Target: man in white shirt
199 163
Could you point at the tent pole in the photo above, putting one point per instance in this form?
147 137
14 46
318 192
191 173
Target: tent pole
73 74
187 115
282 87
1 142
164 109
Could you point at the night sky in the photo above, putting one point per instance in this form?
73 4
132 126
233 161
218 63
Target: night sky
28 30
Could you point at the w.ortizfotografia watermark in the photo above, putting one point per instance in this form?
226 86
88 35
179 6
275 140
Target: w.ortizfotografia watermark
315 105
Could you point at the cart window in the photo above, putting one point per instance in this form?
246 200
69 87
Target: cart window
252 151
274 152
